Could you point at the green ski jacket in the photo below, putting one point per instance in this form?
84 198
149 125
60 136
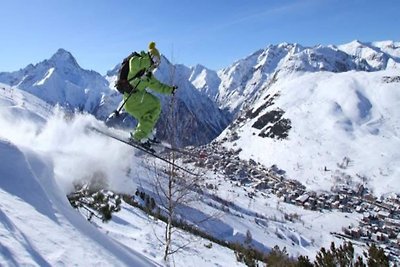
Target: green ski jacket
145 107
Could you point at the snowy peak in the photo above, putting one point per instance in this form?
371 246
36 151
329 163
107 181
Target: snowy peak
389 47
379 55
60 80
241 82
244 79
62 57
322 58
205 80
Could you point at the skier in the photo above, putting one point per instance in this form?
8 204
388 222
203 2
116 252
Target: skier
138 102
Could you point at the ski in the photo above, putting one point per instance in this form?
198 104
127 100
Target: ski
141 148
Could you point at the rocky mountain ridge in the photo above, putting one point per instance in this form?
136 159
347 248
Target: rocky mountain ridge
239 83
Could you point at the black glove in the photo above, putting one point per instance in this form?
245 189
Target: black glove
174 89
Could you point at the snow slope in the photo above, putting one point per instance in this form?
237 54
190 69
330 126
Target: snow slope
333 117
38 225
45 151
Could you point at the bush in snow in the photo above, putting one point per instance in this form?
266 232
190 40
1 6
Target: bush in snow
100 204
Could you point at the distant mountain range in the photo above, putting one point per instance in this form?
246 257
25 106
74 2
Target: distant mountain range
235 85
194 119
207 101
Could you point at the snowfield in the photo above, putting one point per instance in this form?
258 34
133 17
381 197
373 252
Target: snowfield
334 116
45 151
38 227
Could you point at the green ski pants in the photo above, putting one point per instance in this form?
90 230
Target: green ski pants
146 109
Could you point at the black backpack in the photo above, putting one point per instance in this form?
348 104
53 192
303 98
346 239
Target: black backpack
122 84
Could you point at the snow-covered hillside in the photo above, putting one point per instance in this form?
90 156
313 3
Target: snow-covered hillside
38 226
311 124
44 152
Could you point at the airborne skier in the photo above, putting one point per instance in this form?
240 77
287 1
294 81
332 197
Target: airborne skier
136 75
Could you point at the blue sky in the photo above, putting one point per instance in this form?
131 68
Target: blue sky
214 33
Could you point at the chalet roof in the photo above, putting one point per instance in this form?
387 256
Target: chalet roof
383 213
303 198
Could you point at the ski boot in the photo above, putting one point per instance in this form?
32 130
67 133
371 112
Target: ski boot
145 143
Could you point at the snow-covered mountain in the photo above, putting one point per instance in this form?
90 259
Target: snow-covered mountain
296 106
239 83
310 123
60 80
205 80
379 55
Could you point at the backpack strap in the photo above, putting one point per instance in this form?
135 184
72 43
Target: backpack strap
123 84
